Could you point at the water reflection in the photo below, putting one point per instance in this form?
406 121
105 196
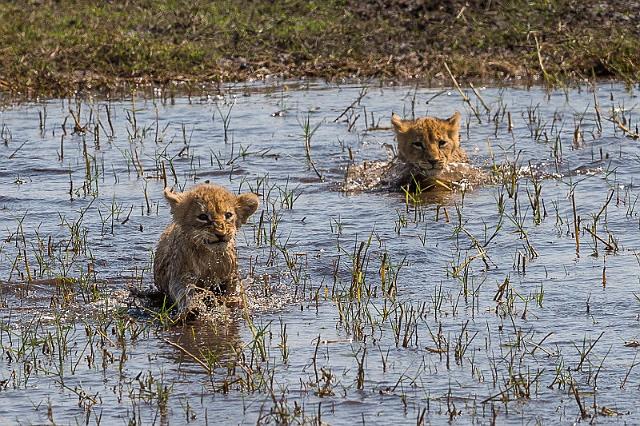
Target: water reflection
205 343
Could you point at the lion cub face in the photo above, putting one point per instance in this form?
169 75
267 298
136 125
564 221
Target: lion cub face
429 143
209 215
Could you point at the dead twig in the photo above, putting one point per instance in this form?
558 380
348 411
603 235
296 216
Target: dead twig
625 129
538 51
189 354
594 235
361 95
464 97
475 92
583 412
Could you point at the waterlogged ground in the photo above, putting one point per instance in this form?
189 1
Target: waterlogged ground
515 302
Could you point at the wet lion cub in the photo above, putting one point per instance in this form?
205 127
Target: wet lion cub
429 143
428 156
196 253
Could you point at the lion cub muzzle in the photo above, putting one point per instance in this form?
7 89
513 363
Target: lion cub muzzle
217 236
432 164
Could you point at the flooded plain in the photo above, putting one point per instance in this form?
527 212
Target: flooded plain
515 302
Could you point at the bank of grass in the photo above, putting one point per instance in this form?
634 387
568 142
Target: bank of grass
53 48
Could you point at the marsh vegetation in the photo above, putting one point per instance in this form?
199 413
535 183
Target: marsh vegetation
517 302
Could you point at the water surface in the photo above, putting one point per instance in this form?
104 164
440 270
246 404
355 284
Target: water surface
473 307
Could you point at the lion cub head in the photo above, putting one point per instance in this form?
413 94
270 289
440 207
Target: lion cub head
429 143
210 214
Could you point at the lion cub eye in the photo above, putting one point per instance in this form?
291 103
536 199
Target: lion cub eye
203 217
442 143
228 215
418 144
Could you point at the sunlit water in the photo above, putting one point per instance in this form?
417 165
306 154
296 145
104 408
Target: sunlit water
477 327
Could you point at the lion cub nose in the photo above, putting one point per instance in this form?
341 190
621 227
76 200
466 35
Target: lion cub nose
219 230
220 235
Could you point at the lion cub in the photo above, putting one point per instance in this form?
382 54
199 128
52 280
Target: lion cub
196 253
429 155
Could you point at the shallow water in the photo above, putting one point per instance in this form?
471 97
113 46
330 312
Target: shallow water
394 313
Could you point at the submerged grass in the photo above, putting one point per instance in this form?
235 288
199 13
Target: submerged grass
56 48
427 309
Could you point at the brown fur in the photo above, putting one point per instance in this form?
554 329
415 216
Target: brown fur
429 157
196 253
429 143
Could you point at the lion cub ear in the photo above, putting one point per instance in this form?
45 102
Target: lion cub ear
454 120
174 198
246 205
399 125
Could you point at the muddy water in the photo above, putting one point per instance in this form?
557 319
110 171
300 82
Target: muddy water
472 307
